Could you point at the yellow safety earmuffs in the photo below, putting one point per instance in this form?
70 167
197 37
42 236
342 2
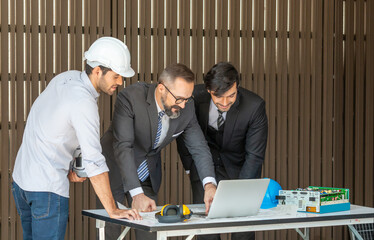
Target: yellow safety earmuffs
173 213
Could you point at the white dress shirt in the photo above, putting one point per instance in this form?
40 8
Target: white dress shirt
64 116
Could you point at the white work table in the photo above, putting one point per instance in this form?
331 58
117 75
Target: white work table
278 218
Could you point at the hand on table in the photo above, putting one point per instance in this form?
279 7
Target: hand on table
209 192
131 214
143 203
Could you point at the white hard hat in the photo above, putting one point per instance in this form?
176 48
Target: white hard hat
111 53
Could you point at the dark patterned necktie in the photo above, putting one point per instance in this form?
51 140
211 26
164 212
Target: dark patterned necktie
220 120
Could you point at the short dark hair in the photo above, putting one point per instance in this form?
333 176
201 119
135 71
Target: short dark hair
174 71
221 77
103 69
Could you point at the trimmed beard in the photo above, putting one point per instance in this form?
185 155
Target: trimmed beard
168 109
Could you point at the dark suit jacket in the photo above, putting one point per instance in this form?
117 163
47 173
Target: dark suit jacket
244 137
129 139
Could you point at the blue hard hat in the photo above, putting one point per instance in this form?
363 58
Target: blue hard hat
272 191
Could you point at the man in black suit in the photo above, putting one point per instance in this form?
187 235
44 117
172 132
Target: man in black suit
235 125
147 117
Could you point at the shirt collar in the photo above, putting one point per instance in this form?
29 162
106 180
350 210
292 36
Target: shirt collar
158 107
87 82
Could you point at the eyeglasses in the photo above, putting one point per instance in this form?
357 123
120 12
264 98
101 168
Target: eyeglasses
178 100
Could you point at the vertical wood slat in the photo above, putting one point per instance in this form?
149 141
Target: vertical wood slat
43 31
316 100
369 118
282 93
258 86
338 97
142 39
185 43
327 95
294 92
27 38
246 41
57 38
218 41
224 31
359 137
4 117
197 37
132 11
13 87
209 36
327 173
92 21
338 137
148 40
234 28
293 84
281 72
49 41
64 36
349 98
161 47
130 31
270 95
306 79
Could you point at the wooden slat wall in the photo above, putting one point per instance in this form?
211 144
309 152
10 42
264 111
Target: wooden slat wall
311 60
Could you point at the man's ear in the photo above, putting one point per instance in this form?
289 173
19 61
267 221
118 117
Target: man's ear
96 71
161 87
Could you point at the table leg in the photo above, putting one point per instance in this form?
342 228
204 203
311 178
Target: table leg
123 234
304 235
190 237
100 225
162 236
354 233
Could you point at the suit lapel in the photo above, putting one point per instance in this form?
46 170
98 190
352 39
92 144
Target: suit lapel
230 121
152 112
173 123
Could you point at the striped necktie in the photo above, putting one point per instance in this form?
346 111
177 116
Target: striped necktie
220 120
143 171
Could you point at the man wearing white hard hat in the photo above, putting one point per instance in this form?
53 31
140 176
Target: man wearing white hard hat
64 116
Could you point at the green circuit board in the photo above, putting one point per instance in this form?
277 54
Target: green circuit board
330 194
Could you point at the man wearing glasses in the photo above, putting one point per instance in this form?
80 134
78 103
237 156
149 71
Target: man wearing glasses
147 117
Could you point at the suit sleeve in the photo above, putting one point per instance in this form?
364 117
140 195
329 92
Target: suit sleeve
123 143
184 154
194 146
255 146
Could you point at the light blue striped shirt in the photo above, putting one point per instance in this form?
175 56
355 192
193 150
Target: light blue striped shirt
64 116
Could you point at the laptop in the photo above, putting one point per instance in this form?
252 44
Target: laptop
238 198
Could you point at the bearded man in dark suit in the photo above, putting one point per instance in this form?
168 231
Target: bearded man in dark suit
147 117
235 125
